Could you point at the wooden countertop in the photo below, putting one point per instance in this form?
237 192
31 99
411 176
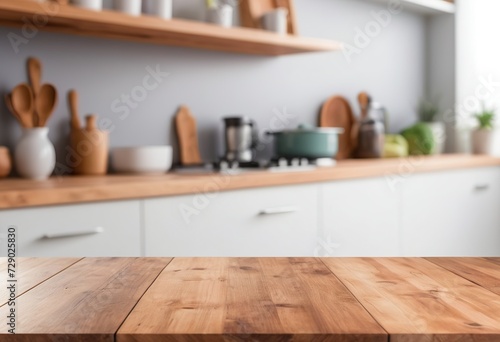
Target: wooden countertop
259 299
19 193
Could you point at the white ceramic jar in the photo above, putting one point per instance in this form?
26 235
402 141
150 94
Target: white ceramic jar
276 21
131 7
221 15
35 155
95 5
158 8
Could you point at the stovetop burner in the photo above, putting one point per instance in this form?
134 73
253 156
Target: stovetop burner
275 164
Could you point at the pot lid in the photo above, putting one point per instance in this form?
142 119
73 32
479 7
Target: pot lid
311 129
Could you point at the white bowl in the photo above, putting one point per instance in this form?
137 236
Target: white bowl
147 159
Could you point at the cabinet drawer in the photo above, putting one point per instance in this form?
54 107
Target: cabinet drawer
98 229
279 221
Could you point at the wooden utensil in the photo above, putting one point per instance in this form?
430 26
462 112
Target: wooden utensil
187 136
251 12
46 101
337 112
73 108
23 104
35 74
364 102
94 160
8 102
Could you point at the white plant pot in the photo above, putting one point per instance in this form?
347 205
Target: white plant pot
95 5
130 7
439 134
222 15
35 155
158 8
486 141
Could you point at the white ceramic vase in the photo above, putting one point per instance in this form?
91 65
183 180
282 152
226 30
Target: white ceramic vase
35 155
486 141
221 15
158 8
95 5
130 7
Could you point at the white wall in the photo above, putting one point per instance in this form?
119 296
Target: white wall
441 66
478 60
213 84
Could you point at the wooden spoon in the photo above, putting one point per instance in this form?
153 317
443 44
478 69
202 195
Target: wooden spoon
46 102
35 74
364 102
8 102
73 107
23 104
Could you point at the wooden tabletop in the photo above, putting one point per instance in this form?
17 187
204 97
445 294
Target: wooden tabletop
20 193
259 299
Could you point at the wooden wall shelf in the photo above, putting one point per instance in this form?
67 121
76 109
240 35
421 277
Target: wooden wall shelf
109 24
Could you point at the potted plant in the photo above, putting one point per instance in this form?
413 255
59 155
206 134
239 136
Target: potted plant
428 112
484 136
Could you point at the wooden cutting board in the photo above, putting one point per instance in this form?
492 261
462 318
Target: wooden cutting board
187 136
252 10
337 112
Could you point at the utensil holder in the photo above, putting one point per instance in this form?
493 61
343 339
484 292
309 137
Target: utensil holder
89 149
35 155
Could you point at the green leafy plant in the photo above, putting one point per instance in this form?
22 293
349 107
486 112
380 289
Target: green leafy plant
485 118
428 111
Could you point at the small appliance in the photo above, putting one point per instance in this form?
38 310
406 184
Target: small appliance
241 137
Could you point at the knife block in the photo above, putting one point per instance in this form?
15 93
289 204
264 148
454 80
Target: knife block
90 149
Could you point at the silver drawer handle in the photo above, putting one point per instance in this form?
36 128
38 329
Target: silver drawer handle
279 210
97 230
481 187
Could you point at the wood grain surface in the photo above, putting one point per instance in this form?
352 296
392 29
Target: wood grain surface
147 29
21 193
481 271
31 272
274 299
416 300
86 302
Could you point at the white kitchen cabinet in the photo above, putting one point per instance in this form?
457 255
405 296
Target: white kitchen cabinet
91 230
275 221
359 218
452 213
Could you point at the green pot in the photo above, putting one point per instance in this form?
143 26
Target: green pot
306 142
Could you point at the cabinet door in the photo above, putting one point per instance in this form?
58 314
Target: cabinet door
278 221
359 218
452 213
88 230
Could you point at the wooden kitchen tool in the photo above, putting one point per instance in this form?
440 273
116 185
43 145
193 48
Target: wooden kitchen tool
73 108
251 12
35 74
46 102
90 148
364 102
337 112
23 104
187 137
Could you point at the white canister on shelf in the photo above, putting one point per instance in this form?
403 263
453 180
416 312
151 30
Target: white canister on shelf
276 20
95 5
35 155
220 15
158 8
131 7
